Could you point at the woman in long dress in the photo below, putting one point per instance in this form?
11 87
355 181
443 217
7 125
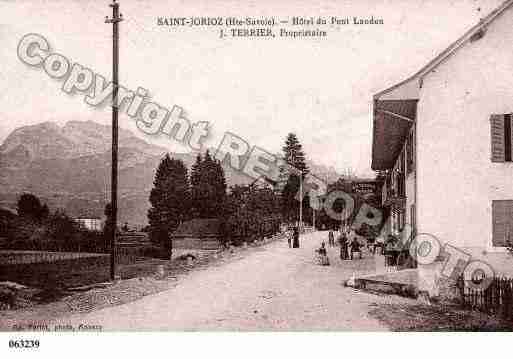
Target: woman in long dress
342 240
295 243
331 239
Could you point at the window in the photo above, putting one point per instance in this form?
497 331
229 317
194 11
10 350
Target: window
398 221
502 222
402 220
400 184
412 220
501 133
410 152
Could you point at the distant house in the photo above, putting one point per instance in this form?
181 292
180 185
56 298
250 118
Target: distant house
92 224
198 234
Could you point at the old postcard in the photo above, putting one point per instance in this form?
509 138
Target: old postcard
258 166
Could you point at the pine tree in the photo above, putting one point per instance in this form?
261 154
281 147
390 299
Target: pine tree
220 188
195 169
294 156
208 187
293 153
195 186
170 201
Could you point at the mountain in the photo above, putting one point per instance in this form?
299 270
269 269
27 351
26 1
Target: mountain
325 173
68 167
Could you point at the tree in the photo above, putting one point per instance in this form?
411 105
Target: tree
63 230
6 218
293 153
195 172
294 156
208 187
170 201
252 212
45 211
108 213
220 187
30 206
107 229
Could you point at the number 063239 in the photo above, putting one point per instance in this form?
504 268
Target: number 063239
23 343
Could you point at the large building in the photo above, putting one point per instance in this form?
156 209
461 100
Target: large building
443 138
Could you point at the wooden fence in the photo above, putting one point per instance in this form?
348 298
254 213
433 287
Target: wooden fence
496 298
8 257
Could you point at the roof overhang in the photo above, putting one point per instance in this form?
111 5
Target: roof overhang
391 125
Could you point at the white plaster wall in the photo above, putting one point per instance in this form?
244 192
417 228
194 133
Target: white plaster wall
456 179
408 90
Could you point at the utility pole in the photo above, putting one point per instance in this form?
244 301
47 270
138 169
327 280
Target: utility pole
116 18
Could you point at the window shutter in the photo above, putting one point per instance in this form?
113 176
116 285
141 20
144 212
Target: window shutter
409 153
502 222
511 135
497 137
413 220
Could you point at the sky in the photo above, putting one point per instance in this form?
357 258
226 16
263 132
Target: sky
260 89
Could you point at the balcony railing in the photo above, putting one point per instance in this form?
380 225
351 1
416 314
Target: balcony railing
392 197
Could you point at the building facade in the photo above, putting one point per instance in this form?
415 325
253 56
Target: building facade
443 141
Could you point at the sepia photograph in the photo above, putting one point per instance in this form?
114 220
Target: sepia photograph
255 166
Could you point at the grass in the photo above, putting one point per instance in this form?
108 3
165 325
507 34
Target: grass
436 317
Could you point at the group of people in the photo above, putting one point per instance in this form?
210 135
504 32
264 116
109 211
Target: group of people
348 243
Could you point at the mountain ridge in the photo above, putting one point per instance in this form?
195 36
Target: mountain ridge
72 166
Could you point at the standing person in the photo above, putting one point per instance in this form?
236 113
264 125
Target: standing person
355 247
331 239
295 243
391 252
354 244
379 244
289 236
323 255
342 241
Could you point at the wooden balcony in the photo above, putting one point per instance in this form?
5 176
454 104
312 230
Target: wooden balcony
392 199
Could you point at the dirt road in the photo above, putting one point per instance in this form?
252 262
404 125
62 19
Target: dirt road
275 288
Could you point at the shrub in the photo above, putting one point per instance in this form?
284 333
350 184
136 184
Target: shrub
248 227
58 232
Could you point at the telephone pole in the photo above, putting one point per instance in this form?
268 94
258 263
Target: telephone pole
116 18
